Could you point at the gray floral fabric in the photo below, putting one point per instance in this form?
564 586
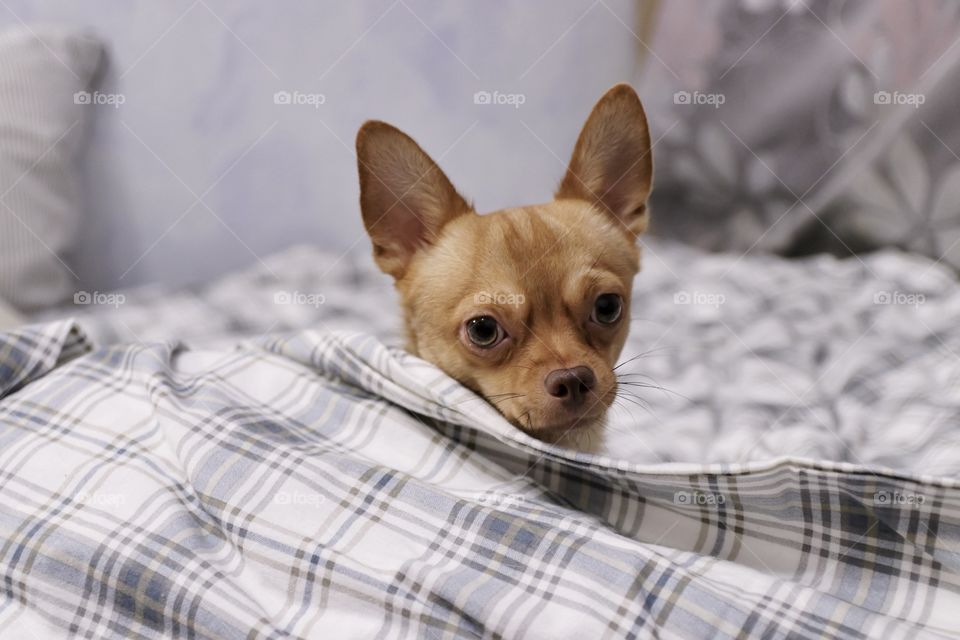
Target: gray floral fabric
805 126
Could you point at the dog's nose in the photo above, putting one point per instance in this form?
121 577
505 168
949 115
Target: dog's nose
570 385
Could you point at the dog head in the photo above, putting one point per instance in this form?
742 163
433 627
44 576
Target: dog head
527 306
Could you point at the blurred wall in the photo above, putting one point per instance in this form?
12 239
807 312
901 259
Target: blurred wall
201 170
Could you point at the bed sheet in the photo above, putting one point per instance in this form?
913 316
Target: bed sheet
322 484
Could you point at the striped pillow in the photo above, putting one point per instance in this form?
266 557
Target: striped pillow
41 125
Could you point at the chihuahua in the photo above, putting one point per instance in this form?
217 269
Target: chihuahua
529 306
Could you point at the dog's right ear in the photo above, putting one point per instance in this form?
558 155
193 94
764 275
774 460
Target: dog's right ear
611 166
404 196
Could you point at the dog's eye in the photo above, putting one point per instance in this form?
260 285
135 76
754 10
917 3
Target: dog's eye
484 332
607 308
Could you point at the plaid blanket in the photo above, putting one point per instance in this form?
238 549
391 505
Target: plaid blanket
321 484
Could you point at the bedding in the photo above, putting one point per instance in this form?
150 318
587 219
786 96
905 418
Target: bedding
797 475
44 79
9 318
293 289
757 356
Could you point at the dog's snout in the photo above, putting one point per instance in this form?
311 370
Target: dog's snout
570 385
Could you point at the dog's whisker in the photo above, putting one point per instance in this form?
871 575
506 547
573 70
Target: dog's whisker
626 376
624 391
630 373
648 385
626 412
634 418
663 390
645 354
496 398
525 414
634 399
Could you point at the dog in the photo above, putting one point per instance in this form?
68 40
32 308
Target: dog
528 306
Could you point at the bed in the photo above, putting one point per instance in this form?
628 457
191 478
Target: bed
255 456
260 467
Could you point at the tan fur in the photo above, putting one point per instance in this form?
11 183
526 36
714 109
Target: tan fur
537 269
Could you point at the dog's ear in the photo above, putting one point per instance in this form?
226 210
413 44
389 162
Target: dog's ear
404 196
611 165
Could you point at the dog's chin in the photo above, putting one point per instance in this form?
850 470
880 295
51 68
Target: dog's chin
584 433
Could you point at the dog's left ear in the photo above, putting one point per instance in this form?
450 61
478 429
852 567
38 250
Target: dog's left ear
405 198
611 166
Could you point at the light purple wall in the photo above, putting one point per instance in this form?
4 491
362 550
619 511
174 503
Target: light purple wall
199 117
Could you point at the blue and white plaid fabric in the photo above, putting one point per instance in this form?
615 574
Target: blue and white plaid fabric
322 485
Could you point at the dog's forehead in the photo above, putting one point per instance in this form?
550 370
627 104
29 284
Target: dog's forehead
550 241
536 251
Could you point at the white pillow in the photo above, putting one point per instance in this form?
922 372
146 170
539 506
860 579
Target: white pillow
41 126
9 318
